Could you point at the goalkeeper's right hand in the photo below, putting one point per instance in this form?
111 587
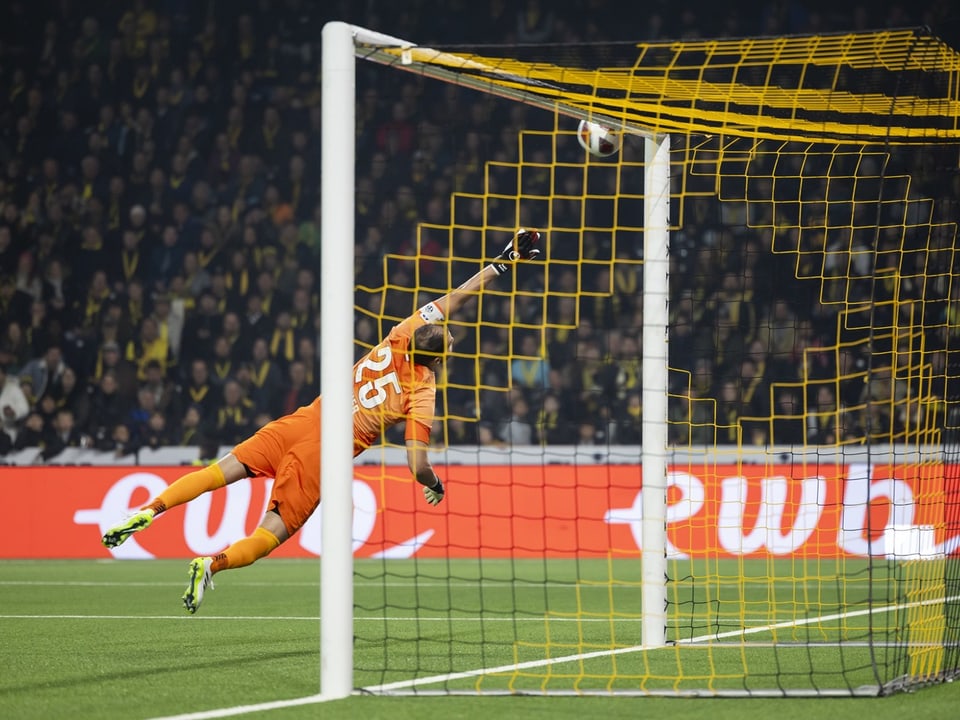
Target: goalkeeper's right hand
434 494
521 247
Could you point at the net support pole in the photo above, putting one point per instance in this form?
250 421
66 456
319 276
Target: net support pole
338 78
653 455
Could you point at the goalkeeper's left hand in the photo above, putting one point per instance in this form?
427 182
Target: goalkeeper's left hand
521 247
434 494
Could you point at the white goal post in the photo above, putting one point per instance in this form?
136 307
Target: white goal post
338 77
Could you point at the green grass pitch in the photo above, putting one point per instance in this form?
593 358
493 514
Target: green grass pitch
110 639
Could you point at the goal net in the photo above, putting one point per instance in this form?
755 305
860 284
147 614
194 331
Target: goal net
708 445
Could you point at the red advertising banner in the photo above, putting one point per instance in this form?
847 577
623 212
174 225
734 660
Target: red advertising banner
512 511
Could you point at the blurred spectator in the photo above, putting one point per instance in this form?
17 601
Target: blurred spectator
396 135
109 359
14 302
156 434
588 433
15 351
297 392
728 414
266 377
235 416
63 434
270 300
191 428
529 369
691 418
199 389
73 396
127 264
517 429
26 278
222 364
166 259
195 278
44 373
13 409
852 376
33 434
283 340
754 387
149 346
170 318
108 408
144 407
200 329
554 423
627 364
156 383
238 346
118 440
54 289
307 354
255 324
302 311
788 419
629 421
8 260
87 306
486 436
886 395
132 306
823 417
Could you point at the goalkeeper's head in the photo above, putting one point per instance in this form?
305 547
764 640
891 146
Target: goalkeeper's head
430 345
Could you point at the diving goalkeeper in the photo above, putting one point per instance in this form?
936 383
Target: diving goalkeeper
394 382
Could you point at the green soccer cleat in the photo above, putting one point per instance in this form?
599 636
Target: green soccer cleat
136 522
200 579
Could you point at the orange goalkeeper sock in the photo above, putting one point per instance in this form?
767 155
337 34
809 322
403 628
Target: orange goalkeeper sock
247 551
187 488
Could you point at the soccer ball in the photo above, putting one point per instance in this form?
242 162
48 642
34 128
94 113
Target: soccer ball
597 139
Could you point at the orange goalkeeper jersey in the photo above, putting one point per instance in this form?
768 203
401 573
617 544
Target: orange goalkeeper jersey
388 387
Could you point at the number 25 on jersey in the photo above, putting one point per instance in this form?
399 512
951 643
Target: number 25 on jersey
373 392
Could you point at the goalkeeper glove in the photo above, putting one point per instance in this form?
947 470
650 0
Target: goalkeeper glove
434 494
521 247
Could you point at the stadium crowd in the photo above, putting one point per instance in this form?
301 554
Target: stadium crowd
160 238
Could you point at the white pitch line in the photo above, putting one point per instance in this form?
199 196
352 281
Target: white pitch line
245 709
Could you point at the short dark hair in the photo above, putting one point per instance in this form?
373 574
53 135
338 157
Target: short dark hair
429 342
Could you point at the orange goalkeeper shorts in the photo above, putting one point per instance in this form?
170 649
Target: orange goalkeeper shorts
288 450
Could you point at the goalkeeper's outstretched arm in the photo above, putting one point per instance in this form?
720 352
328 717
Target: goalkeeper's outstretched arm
521 247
